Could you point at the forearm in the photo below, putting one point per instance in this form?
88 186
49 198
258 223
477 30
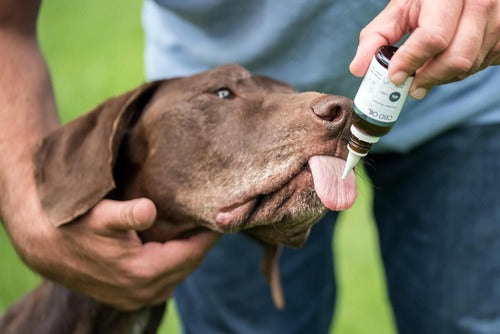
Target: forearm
27 112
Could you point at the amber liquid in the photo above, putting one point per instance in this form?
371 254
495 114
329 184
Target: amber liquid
369 128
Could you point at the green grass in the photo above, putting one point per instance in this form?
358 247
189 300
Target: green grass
94 50
363 305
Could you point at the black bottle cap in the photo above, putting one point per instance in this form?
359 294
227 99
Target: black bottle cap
384 54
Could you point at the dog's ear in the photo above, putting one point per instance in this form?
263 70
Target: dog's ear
74 164
271 270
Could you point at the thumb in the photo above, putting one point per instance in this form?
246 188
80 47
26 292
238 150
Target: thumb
137 214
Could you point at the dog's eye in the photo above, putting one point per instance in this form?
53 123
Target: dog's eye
224 93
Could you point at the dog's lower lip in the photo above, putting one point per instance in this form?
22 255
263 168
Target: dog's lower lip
234 215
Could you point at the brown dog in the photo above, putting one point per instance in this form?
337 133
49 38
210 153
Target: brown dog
224 150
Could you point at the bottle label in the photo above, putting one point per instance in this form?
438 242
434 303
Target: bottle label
378 100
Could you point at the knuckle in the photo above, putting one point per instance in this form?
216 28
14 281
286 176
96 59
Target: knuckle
437 40
127 215
448 69
410 56
460 65
364 33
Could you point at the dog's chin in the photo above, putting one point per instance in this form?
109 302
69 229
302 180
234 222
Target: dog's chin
291 223
284 216
292 233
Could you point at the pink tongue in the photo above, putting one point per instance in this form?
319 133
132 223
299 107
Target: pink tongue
335 194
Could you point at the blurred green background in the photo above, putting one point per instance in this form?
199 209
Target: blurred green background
94 50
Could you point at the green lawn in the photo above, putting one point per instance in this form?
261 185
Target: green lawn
94 50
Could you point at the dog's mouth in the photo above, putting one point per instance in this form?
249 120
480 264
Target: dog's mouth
299 199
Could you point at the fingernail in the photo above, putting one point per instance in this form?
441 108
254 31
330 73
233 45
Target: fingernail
399 77
419 93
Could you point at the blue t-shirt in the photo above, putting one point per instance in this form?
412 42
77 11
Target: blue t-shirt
308 44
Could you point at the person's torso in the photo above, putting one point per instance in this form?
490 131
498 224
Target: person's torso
308 44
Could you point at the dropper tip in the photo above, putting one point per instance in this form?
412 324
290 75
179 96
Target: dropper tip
352 160
346 172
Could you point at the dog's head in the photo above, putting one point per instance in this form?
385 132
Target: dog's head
223 149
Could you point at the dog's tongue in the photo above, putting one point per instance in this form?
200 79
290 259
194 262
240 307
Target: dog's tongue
335 193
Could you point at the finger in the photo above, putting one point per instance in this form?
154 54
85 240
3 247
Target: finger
461 58
436 27
112 216
186 253
176 272
178 255
365 52
384 29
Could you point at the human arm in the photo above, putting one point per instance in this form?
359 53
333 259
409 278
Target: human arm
100 254
449 40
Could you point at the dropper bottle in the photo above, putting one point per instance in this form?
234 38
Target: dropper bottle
377 105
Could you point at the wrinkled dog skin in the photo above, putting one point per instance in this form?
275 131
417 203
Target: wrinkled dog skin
224 149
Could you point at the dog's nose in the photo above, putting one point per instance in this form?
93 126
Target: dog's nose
331 108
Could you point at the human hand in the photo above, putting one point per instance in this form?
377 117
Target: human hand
450 40
101 255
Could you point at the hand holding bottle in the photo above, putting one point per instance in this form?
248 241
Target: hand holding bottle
449 40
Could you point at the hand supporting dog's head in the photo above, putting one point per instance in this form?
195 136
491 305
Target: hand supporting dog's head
223 149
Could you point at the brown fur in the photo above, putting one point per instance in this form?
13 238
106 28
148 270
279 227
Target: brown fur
197 156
